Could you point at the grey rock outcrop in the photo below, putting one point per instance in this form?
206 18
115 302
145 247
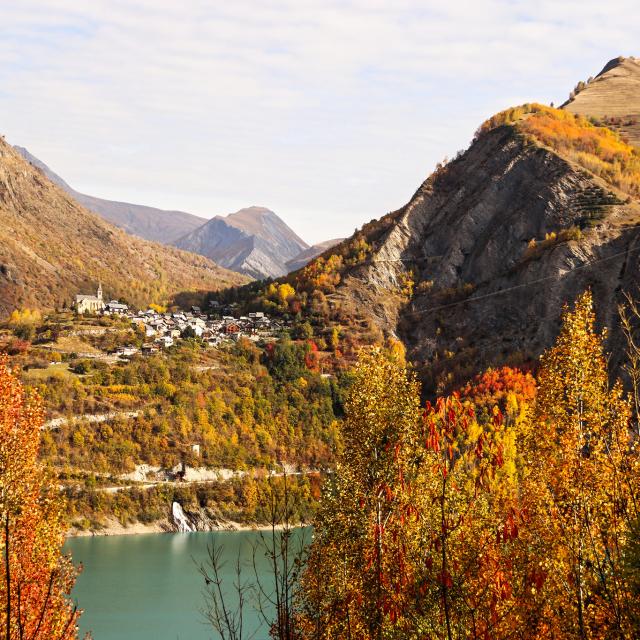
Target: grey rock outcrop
483 294
253 241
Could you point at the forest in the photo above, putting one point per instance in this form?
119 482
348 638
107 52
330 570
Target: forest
508 509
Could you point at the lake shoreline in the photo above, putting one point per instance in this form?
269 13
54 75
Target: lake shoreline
115 528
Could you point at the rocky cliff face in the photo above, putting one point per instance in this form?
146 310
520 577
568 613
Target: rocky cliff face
253 241
482 293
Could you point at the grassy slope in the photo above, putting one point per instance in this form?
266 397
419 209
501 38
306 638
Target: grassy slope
613 95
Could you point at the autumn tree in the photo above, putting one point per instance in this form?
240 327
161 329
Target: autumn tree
23 322
474 566
419 535
587 468
356 576
35 579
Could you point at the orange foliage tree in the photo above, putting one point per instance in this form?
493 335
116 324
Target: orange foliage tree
35 579
509 389
596 148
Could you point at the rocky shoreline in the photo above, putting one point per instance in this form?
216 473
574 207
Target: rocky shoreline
199 521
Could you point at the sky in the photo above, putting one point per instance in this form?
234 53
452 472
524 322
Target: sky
329 113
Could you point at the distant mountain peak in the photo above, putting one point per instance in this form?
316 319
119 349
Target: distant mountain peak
254 241
52 248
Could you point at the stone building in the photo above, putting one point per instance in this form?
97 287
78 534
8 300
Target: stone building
90 304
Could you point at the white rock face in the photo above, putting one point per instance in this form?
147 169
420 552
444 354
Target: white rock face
180 519
204 474
141 473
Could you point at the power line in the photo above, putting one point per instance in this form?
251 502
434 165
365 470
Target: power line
524 284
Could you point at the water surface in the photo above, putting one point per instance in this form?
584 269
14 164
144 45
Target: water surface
147 587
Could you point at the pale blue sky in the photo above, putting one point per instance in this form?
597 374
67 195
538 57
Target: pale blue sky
330 113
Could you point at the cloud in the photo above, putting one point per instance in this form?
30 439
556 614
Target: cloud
330 113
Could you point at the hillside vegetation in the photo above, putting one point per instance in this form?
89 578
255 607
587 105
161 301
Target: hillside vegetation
118 430
51 248
543 204
598 149
441 521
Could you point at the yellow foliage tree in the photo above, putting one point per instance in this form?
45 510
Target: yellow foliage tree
587 477
353 584
285 293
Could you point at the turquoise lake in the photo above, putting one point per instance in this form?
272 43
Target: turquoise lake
147 587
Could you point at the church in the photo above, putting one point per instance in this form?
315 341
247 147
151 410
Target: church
90 304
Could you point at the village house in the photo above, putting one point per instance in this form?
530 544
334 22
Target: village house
127 351
149 349
163 330
115 307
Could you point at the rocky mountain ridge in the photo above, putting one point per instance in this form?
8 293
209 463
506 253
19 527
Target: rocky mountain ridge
150 223
253 241
475 269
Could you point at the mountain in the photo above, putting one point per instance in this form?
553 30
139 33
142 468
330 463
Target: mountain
306 256
474 270
149 223
613 97
253 241
52 248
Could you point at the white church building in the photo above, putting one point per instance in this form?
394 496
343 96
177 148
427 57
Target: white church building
90 304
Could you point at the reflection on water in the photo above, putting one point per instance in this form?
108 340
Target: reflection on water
148 587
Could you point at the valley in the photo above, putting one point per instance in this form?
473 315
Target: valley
450 396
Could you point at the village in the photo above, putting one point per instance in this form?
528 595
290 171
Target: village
218 324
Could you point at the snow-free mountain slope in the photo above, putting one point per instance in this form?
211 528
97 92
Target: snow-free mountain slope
253 241
52 248
613 97
475 269
150 223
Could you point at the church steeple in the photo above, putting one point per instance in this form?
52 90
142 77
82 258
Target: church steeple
100 291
